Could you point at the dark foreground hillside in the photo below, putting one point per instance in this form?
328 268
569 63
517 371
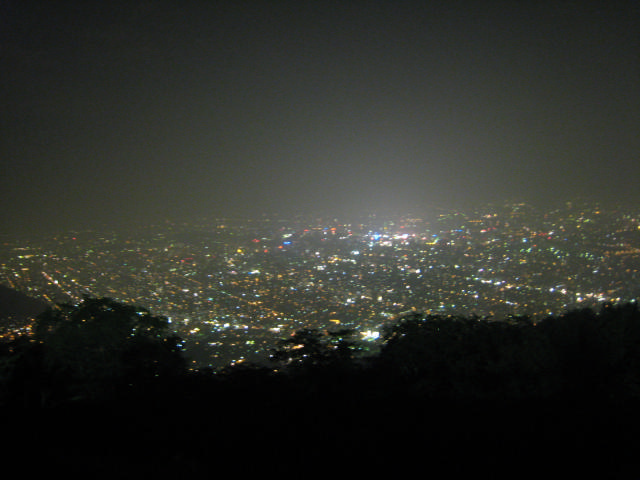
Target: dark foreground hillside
445 396
254 431
16 307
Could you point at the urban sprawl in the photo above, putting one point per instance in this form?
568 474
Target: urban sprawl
231 288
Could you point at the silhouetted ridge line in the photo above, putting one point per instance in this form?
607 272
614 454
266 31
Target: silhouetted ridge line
461 393
17 306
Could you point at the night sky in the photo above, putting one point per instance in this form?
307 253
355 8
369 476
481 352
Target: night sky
131 111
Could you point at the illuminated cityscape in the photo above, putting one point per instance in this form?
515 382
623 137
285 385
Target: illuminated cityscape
231 288
364 238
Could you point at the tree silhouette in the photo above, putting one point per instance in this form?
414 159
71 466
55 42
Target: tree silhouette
467 357
94 348
314 347
598 352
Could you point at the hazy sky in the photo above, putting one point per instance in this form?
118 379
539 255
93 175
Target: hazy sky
145 109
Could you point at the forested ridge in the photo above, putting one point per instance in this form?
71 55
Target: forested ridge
102 388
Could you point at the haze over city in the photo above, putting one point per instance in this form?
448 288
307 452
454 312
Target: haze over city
131 111
231 288
371 238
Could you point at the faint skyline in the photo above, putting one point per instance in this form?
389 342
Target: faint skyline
141 109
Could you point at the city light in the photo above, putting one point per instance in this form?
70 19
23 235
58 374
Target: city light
230 290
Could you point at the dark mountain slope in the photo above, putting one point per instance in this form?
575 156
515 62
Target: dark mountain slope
16 307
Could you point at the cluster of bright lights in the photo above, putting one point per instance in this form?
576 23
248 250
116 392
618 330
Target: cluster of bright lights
370 335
